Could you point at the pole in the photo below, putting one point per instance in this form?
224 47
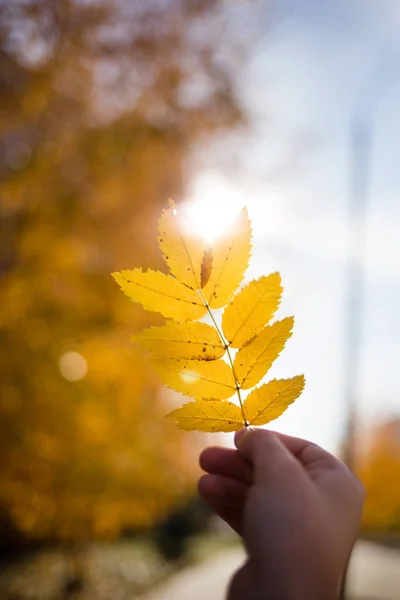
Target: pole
360 150
360 146
359 160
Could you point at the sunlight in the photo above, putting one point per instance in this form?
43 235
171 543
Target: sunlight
212 206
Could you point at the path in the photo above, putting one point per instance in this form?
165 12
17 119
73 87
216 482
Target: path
374 575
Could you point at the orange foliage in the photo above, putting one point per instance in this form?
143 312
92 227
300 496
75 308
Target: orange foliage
379 470
95 132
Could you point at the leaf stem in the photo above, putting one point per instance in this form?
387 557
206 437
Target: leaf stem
226 346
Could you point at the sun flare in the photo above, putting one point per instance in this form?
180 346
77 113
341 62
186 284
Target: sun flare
212 207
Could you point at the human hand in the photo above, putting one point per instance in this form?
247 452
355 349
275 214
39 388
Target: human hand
297 507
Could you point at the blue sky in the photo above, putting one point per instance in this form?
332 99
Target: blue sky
292 171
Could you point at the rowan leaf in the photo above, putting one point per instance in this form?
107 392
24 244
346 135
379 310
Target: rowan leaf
187 355
197 379
208 415
269 401
182 249
251 309
189 340
161 293
254 360
230 256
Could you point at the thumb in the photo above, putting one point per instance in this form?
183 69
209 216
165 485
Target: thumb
264 451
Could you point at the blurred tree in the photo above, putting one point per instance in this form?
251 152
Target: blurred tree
100 106
379 470
172 534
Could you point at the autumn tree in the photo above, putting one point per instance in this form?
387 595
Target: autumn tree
101 104
379 470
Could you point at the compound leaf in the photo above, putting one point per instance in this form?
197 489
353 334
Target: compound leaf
187 354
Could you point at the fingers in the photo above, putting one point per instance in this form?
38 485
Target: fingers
226 496
226 462
232 463
269 452
308 453
232 516
265 452
223 490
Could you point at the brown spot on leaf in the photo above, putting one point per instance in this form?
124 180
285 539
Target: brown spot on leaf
206 267
249 341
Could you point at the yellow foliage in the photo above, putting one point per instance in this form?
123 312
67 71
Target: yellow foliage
161 293
378 467
192 341
182 249
252 362
251 309
197 379
230 258
187 356
85 168
208 415
270 400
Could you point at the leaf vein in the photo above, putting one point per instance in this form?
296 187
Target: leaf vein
145 287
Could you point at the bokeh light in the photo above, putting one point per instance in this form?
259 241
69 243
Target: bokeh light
73 366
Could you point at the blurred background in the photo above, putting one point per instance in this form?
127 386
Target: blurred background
107 108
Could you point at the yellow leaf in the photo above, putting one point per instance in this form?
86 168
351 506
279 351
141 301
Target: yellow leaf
161 293
182 340
197 379
187 354
182 249
251 309
208 415
269 401
230 255
254 360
